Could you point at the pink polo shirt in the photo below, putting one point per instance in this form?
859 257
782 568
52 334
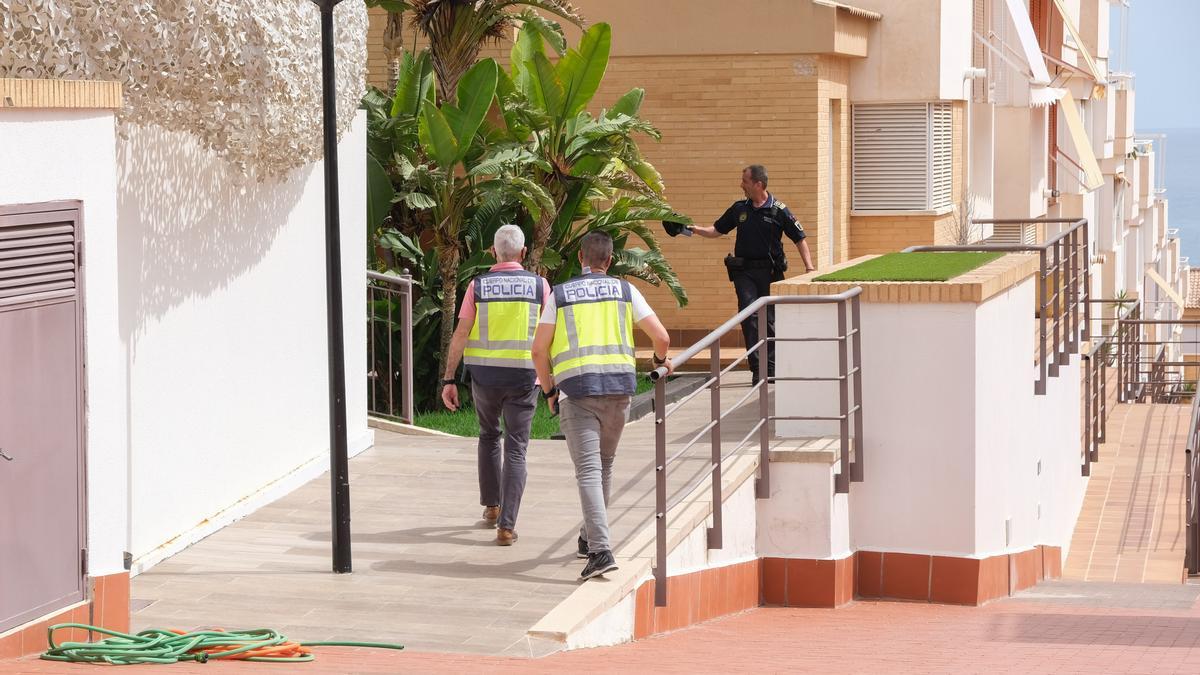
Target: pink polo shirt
467 311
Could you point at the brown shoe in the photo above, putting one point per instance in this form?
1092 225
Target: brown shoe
491 514
505 537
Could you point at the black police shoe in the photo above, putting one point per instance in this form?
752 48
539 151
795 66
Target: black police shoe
599 563
582 551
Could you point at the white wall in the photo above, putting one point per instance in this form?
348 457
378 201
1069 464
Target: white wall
804 517
1020 171
70 154
918 412
953 433
1028 484
918 52
222 316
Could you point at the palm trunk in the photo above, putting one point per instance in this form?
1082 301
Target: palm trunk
448 262
393 47
541 235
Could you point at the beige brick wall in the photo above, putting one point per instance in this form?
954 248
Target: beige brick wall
719 113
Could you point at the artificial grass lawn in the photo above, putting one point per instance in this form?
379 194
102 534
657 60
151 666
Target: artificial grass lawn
463 422
916 266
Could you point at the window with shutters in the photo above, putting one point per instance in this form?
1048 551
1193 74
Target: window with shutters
903 156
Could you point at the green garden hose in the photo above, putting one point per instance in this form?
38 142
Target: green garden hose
158 645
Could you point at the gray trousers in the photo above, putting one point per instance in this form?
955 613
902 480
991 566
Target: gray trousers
502 477
593 426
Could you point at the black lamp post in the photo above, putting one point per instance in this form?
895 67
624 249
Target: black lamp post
339 462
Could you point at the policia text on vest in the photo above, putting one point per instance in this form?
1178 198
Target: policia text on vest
583 352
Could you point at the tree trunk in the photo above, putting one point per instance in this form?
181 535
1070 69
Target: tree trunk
448 262
393 47
541 235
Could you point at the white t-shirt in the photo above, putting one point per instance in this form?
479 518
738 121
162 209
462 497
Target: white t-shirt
641 308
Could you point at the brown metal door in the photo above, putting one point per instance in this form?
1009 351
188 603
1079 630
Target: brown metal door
41 468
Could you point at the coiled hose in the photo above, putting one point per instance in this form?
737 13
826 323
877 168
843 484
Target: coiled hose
157 645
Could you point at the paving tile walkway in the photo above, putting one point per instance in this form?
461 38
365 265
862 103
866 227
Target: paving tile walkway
1130 528
1058 627
427 572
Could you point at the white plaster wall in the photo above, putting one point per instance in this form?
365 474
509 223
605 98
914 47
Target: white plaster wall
1029 487
1020 170
222 316
804 518
613 627
737 531
69 154
919 410
960 456
955 41
903 54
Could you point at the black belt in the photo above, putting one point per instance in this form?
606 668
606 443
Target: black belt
757 263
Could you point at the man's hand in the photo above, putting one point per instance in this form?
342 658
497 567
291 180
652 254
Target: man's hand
552 400
668 365
450 396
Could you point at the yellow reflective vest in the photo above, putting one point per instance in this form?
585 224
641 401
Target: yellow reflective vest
499 348
592 352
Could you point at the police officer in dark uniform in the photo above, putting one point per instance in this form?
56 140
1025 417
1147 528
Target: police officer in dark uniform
758 259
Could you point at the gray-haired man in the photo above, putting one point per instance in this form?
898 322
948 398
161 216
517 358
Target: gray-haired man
496 324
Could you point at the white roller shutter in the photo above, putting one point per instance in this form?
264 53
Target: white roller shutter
902 156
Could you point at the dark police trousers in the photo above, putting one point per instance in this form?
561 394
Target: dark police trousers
751 285
502 482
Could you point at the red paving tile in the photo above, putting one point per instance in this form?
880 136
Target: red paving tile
1010 636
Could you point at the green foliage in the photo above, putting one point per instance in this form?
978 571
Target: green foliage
444 173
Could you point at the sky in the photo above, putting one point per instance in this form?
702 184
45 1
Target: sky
1163 55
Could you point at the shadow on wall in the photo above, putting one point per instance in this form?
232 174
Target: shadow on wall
189 223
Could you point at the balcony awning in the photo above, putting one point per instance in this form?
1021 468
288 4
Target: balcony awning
1043 96
1029 43
1093 178
1090 63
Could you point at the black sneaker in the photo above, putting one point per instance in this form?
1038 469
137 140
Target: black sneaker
598 564
582 551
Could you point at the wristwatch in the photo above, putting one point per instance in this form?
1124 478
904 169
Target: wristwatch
449 381
548 394
657 361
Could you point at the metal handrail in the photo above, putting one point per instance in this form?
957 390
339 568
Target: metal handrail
1070 295
1096 363
850 376
381 394
1191 513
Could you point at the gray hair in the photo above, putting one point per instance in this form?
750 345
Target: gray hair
597 248
508 243
758 173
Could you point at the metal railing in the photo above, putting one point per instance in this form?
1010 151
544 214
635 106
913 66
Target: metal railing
1151 366
1063 294
849 379
1191 558
389 346
1102 355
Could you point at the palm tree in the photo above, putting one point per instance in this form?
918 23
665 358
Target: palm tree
591 166
458 29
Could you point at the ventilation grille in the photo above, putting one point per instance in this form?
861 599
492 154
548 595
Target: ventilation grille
37 256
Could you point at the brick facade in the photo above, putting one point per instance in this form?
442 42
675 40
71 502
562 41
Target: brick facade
718 113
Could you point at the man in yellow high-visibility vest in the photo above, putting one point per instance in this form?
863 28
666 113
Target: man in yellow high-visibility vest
495 331
583 352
